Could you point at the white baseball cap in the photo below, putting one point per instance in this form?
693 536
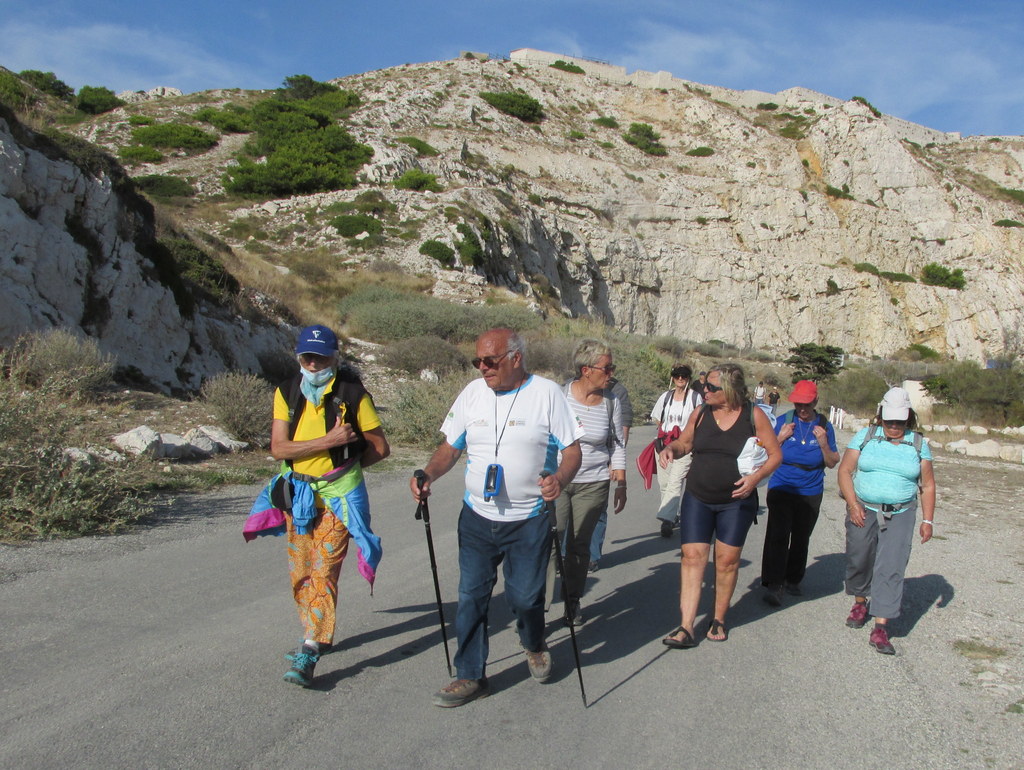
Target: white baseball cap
896 404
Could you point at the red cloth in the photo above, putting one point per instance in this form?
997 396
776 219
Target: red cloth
647 460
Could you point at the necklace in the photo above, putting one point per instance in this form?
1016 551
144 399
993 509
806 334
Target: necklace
803 435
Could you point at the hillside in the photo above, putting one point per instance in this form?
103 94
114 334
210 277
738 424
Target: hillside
804 218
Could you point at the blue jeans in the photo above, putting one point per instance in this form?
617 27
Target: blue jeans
597 541
525 547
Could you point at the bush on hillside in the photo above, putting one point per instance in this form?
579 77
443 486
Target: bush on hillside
516 104
96 100
230 120
422 148
442 252
420 181
173 136
418 410
56 355
134 154
164 186
606 121
242 405
567 67
351 225
645 138
424 352
855 390
700 152
13 92
934 274
48 83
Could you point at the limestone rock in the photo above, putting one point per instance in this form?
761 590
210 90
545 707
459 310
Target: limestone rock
140 441
988 448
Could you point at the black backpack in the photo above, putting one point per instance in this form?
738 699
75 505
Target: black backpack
348 390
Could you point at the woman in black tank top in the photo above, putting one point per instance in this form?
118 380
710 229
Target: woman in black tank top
719 504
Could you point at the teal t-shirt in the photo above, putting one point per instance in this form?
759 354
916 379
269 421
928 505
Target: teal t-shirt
887 472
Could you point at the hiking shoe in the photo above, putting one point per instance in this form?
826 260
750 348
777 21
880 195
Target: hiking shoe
322 648
303 661
858 615
666 529
773 596
592 567
880 641
460 692
573 616
793 589
539 663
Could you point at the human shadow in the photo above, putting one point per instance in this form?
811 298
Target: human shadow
920 594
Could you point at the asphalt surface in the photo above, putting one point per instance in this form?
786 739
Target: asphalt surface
164 648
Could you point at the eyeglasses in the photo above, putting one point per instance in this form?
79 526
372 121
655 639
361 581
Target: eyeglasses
489 362
609 370
313 358
712 388
894 423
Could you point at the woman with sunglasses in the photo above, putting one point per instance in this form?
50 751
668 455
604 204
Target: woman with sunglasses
719 503
880 474
583 501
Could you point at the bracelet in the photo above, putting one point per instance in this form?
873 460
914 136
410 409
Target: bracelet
621 484
928 522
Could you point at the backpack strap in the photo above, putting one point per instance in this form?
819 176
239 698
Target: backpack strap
664 405
347 391
873 434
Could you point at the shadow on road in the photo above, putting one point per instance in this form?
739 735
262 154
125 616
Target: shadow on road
920 594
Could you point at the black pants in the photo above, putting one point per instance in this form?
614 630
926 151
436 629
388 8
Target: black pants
791 520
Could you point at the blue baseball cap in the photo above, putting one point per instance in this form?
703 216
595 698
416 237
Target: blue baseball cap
317 339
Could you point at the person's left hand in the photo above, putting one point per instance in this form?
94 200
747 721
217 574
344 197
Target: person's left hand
820 433
926 531
620 499
744 487
550 487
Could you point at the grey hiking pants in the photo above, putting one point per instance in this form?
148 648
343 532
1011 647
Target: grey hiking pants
876 558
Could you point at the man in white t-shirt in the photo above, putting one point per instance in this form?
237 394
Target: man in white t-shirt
513 426
670 414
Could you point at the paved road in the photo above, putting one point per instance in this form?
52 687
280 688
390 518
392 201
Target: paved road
163 648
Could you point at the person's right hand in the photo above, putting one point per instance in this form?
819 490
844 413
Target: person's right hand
342 433
419 495
856 513
786 431
665 456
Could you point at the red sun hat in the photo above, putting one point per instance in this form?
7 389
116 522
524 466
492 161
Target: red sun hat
804 392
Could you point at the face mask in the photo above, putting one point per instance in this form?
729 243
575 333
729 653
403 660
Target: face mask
318 379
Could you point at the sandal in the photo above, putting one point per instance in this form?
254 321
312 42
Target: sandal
717 627
679 644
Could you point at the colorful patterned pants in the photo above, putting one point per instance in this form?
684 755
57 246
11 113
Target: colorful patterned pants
314 563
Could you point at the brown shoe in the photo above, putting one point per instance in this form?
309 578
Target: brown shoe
539 664
461 692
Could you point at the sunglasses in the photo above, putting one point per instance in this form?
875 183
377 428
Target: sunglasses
894 423
609 370
489 362
712 388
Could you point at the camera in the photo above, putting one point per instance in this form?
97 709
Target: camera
492 482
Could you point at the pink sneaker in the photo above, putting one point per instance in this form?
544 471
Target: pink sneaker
858 615
880 641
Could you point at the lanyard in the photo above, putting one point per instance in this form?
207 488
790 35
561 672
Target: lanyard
497 437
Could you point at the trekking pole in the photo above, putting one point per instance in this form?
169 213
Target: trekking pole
423 512
549 506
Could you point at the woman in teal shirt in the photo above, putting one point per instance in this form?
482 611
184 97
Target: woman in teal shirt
879 476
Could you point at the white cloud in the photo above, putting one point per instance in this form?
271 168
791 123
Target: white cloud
119 57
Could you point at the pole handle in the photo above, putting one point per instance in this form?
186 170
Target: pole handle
421 479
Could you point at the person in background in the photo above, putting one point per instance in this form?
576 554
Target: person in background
597 541
325 431
795 490
882 470
719 503
698 384
759 393
604 460
670 413
512 425
773 399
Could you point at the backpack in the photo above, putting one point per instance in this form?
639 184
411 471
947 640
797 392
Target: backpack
347 390
874 435
790 416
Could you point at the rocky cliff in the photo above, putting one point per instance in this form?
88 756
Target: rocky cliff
805 219
80 251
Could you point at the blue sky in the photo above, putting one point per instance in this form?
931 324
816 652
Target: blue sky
951 65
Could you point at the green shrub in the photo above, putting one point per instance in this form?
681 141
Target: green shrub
422 148
419 409
831 288
164 186
567 67
1008 223
96 100
835 192
1014 195
13 92
855 390
139 153
301 87
242 405
418 180
899 277
442 252
920 352
141 120
606 121
57 355
644 138
516 104
351 225
229 121
48 83
934 274
865 267
185 260
575 136
424 352
173 136
700 152
867 104
767 106
471 252
976 394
